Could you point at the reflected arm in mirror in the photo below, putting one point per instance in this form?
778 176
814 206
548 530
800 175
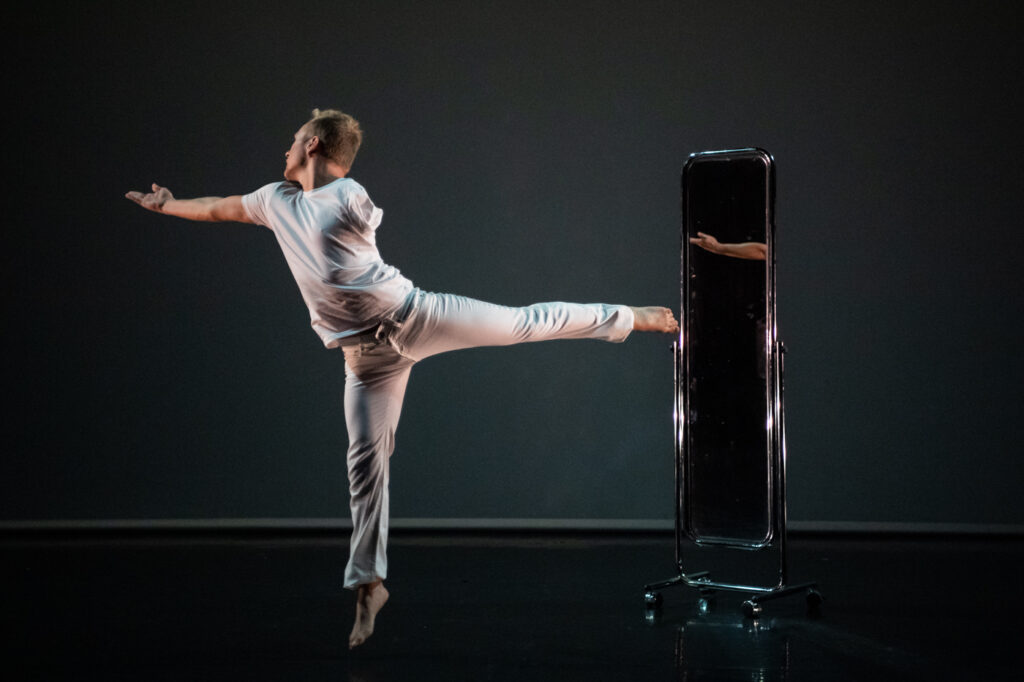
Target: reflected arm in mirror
745 250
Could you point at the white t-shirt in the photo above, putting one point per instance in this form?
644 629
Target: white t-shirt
328 238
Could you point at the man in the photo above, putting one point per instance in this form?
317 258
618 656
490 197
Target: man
325 224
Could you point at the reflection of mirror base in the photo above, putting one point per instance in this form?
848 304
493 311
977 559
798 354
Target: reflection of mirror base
728 646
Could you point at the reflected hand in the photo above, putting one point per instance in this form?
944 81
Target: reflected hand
153 201
706 241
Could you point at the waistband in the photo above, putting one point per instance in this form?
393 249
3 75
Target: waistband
392 321
362 337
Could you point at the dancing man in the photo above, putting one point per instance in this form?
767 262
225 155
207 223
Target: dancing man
325 224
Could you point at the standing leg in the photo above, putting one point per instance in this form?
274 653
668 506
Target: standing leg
376 375
375 381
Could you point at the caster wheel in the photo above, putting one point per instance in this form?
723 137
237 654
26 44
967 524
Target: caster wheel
652 600
705 605
752 609
814 599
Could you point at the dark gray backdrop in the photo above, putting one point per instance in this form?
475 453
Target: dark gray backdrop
156 368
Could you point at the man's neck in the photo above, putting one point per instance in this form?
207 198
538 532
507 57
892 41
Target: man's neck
318 174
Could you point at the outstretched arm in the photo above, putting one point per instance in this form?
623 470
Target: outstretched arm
216 209
747 250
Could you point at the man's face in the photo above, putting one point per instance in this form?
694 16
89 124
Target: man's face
295 157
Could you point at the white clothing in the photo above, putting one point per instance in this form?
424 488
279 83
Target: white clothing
385 325
377 371
328 236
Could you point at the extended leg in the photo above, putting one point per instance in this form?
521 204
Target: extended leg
445 322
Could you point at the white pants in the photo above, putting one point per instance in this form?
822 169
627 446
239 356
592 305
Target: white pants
377 371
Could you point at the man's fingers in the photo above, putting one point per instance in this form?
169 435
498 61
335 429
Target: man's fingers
145 200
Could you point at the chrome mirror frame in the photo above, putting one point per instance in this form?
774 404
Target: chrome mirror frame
686 533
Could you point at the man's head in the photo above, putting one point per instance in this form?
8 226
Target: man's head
331 134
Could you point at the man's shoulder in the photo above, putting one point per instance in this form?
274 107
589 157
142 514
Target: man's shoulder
343 190
347 185
342 185
281 187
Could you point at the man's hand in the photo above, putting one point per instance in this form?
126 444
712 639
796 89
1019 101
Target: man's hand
154 201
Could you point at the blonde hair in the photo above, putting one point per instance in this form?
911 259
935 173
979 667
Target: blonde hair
339 133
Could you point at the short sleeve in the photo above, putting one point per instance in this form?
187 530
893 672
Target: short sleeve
363 210
255 203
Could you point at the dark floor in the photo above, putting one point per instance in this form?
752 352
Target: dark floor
499 607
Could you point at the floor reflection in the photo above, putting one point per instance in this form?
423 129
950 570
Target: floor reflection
713 641
716 642
536 608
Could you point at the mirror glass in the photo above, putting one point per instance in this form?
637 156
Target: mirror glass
725 364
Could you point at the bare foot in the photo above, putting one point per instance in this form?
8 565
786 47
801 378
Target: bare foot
654 319
369 600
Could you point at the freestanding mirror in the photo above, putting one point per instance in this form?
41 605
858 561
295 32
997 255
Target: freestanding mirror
729 416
